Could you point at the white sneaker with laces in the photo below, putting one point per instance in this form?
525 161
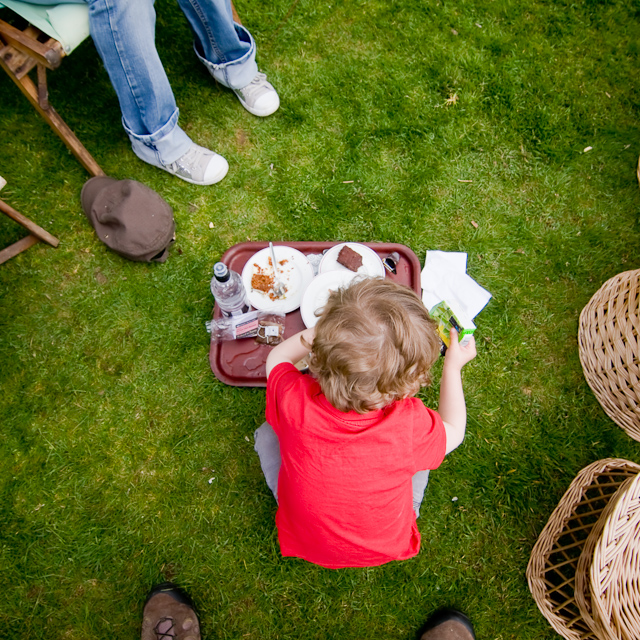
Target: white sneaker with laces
198 166
259 97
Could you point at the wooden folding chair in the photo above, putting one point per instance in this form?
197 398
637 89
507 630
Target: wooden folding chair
22 50
36 234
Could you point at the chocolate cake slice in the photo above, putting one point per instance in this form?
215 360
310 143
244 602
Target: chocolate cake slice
349 258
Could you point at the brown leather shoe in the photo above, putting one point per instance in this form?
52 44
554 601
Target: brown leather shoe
448 624
169 615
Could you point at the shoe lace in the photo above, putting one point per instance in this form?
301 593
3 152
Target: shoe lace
164 632
256 86
187 164
189 159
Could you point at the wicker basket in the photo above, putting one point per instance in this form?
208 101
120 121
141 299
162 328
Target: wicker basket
609 347
615 568
607 573
551 571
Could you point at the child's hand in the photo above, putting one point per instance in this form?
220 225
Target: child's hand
456 355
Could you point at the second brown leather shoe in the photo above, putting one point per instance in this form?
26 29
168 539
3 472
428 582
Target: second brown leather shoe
169 615
448 624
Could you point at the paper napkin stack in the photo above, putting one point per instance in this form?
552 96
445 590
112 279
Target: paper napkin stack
444 277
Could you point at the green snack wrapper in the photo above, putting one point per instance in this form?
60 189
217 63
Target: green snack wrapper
449 317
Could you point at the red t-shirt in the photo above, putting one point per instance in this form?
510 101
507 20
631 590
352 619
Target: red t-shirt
344 489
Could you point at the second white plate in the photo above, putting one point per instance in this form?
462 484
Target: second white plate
317 293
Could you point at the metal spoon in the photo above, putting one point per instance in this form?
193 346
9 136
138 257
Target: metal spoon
278 288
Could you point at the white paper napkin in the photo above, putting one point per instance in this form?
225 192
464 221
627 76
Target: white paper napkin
444 277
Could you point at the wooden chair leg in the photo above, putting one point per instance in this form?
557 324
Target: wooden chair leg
31 226
234 13
37 234
49 114
17 247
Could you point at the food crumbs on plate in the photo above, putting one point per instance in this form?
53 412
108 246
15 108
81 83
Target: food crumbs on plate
263 281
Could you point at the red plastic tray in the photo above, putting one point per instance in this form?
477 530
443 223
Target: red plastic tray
241 363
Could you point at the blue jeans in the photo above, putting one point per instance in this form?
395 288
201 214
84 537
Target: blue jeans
124 34
267 446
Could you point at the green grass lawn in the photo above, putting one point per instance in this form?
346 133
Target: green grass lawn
453 126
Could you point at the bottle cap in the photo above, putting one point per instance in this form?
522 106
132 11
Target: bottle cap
220 271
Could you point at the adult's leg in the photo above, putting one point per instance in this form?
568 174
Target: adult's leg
267 446
124 34
225 48
229 53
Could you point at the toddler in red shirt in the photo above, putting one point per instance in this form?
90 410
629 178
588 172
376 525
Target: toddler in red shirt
347 449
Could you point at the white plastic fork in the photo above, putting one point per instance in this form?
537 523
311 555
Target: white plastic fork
278 288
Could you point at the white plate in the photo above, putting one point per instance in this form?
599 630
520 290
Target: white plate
371 263
317 293
296 273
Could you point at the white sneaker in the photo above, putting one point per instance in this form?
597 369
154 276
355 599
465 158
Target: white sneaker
198 166
259 97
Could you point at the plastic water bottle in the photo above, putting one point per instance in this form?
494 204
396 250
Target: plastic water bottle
228 290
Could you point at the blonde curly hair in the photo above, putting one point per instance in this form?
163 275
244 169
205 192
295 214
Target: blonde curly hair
374 344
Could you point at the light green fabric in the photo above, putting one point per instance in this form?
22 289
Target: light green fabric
67 23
